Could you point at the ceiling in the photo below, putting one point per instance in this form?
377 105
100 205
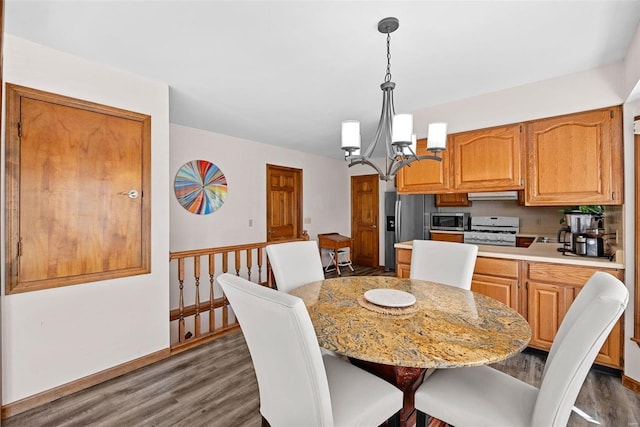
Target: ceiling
287 73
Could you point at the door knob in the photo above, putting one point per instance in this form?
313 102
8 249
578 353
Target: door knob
132 194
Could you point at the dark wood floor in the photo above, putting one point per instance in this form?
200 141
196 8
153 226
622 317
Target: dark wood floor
215 385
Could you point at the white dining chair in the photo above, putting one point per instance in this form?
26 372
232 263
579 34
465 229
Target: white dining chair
448 263
297 385
295 263
483 396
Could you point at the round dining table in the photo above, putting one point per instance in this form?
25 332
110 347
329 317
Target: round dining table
446 327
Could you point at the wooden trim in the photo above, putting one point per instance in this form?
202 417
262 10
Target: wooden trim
196 342
636 305
216 250
631 384
82 383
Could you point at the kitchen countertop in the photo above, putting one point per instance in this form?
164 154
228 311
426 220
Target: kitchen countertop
542 252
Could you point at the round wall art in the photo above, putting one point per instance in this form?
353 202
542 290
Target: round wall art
200 187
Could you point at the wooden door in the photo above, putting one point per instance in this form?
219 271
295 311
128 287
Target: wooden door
71 165
364 220
487 159
284 203
424 176
575 159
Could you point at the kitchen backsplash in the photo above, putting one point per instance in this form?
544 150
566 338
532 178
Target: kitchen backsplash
538 220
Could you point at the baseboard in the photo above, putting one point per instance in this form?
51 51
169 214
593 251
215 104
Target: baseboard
631 384
80 384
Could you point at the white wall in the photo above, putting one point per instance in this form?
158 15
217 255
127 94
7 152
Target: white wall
325 190
587 90
55 336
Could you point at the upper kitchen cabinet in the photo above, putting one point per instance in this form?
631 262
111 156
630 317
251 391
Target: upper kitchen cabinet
575 159
452 200
487 159
424 176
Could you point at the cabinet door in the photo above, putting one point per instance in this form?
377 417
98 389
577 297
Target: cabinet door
575 159
547 303
424 176
503 289
403 263
447 237
452 200
487 159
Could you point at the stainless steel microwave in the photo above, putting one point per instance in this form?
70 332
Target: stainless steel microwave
450 221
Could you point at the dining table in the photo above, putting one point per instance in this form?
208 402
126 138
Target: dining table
400 328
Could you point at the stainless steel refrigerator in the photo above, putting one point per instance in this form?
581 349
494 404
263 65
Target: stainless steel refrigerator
408 217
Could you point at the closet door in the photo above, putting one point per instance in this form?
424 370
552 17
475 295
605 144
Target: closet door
78 191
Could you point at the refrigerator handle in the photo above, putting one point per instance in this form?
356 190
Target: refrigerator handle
398 220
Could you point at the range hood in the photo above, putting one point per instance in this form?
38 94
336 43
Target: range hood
494 195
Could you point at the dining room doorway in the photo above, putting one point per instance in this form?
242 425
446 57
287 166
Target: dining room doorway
364 220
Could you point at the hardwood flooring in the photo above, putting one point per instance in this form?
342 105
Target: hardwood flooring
215 385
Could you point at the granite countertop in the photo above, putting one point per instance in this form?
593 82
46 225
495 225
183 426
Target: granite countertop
542 252
452 327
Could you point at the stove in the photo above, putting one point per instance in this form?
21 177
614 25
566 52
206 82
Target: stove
493 230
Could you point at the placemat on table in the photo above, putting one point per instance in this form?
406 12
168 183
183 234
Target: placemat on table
396 311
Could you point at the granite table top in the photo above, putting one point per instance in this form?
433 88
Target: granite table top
452 327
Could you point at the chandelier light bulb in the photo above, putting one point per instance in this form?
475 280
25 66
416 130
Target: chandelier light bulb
351 135
402 128
437 137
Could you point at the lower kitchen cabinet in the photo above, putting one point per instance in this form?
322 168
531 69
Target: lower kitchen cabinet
447 237
403 263
551 289
499 279
541 292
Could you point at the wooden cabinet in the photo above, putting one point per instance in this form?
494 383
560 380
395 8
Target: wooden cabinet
447 237
548 292
488 159
499 279
452 200
575 159
424 176
551 289
403 263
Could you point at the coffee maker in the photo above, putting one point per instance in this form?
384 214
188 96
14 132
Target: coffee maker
574 235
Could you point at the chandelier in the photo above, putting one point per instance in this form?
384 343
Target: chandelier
395 131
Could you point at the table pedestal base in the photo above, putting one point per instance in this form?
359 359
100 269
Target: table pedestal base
406 379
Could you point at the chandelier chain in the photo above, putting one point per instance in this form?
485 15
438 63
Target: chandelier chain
387 77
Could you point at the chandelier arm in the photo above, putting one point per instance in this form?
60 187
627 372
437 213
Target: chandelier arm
388 120
367 162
